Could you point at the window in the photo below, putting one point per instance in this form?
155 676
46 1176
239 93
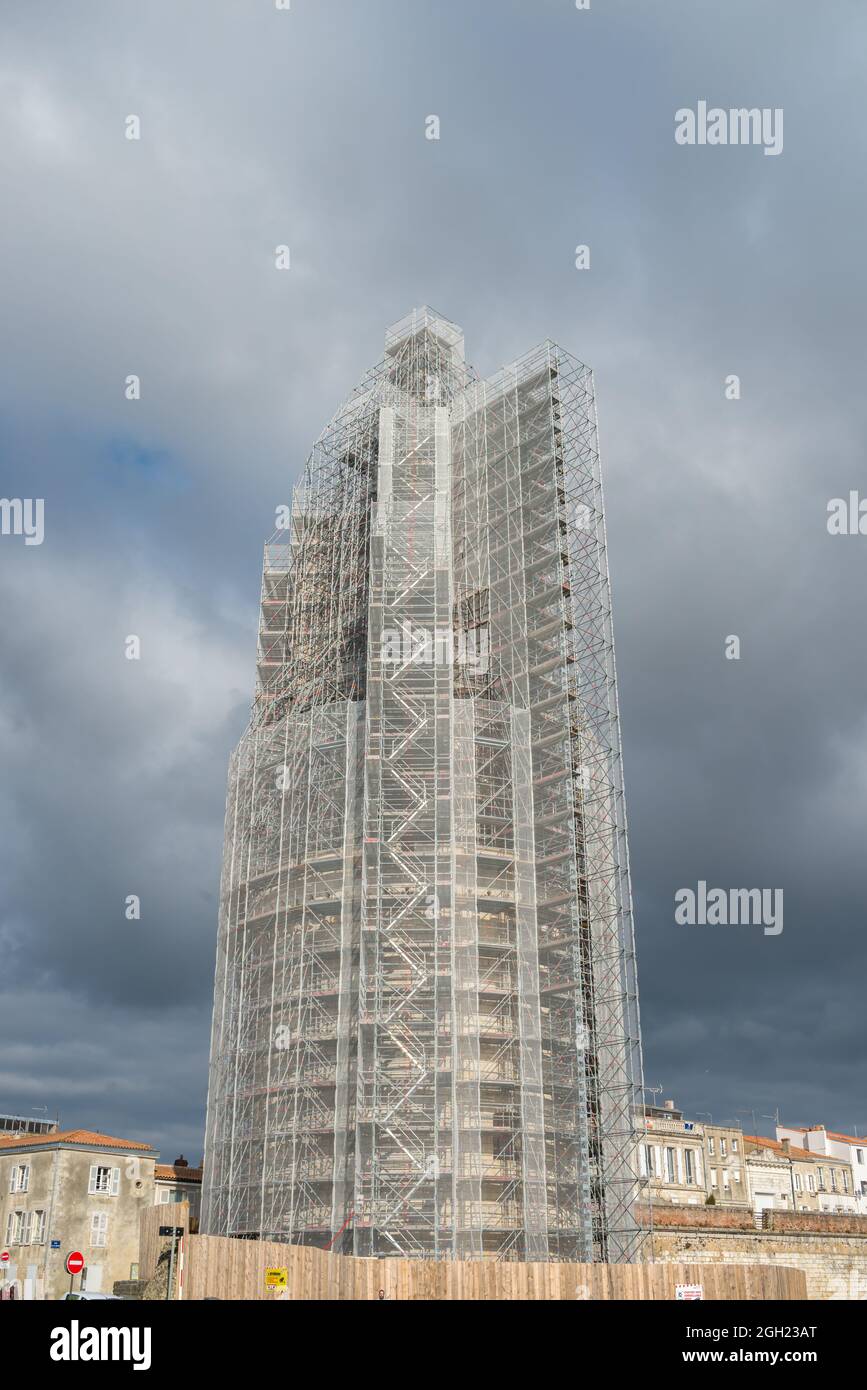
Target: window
98 1228
845 1176
811 1182
736 1176
163 1197
734 1146
722 1147
713 1181
726 1179
859 1155
798 1183
18 1228
38 1235
710 1144
105 1181
20 1179
688 1166
670 1166
833 1179
820 1173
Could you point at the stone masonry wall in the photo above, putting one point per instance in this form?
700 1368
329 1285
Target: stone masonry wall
829 1249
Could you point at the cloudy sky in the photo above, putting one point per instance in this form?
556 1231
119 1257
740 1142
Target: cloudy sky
306 127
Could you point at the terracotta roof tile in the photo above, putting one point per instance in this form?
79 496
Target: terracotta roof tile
775 1145
89 1137
168 1170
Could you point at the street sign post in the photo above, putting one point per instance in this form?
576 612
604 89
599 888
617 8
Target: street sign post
175 1232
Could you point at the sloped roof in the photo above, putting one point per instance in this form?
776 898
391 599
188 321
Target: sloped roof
90 1138
174 1174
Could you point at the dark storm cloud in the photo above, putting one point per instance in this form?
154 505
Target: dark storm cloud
156 258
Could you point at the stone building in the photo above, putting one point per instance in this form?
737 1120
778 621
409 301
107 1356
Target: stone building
830 1144
724 1165
684 1161
785 1177
178 1182
671 1156
75 1190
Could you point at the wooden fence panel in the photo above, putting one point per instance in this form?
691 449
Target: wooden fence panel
151 1243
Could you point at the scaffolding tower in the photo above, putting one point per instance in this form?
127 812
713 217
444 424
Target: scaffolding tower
426 1037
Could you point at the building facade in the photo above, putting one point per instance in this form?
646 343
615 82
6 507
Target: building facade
727 1179
852 1150
684 1161
425 1038
671 1158
74 1190
178 1182
787 1177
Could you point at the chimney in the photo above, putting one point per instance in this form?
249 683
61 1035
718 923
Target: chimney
785 1144
668 1104
181 1162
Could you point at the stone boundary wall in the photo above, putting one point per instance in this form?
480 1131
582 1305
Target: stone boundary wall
815 1222
829 1249
668 1214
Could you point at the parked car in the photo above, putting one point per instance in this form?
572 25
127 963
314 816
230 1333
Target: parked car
74 1297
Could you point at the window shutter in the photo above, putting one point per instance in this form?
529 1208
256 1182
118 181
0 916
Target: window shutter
115 1181
28 1228
91 1187
12 1178
25 1177
10 1225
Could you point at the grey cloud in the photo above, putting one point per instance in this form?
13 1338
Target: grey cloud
307 128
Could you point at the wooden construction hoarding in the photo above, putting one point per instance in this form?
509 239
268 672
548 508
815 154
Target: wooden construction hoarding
220 1267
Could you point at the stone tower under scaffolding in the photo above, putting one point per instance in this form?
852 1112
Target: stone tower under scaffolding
425 1037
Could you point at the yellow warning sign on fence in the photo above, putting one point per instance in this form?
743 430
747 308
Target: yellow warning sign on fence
276 1278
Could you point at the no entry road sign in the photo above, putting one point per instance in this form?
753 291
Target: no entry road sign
74 1262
